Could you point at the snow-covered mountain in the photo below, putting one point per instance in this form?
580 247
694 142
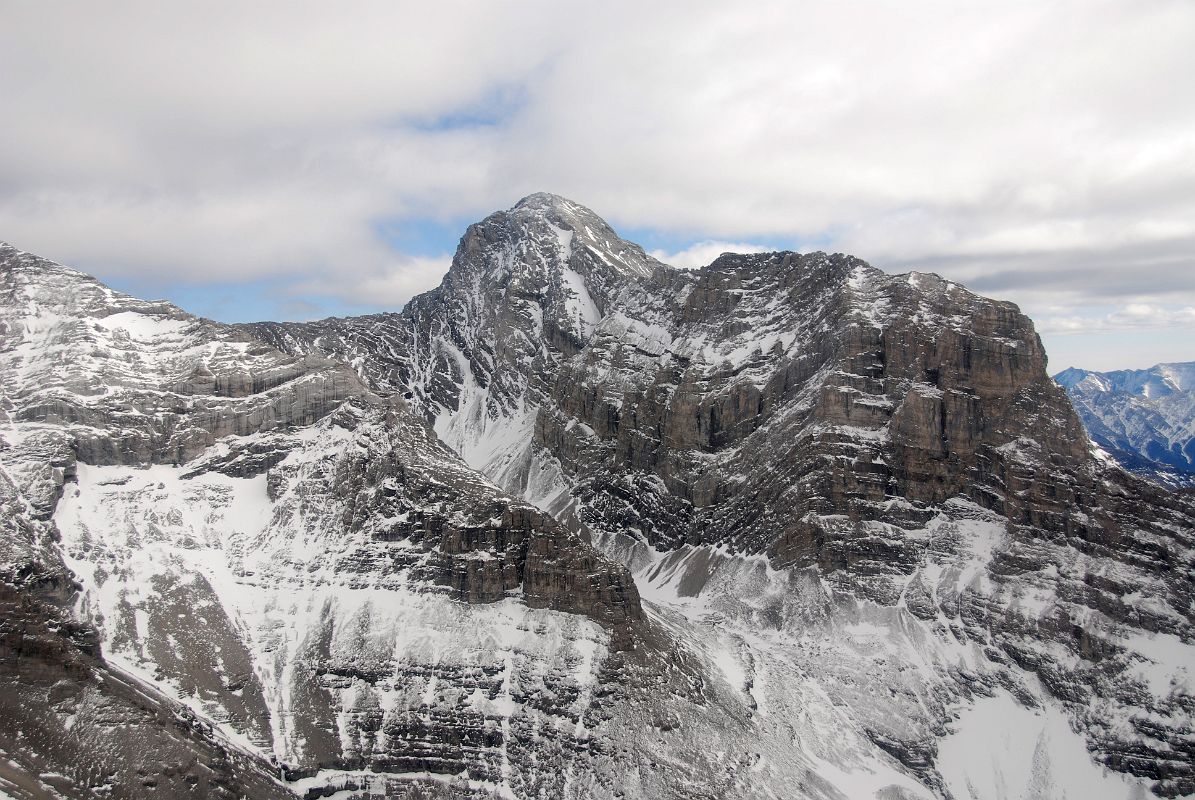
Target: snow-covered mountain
851 540
262 539
1144 418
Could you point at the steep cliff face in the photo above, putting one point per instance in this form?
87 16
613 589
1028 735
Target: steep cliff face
136 382
673 385
790 447
367 603
1143 418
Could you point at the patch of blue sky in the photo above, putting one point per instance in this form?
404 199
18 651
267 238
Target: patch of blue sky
674 241
1124 349
671 241
422 236
497 106
251 301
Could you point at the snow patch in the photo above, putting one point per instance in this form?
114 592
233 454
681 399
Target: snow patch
1001 750
143 327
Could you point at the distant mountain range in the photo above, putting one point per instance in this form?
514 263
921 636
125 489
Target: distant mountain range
1143 418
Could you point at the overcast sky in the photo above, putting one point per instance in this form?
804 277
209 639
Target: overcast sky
294 161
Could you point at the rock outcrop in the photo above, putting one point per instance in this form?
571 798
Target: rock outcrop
212 540
578 524
889 433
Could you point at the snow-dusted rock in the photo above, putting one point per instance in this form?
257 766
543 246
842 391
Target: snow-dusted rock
269 543
893 442
873 553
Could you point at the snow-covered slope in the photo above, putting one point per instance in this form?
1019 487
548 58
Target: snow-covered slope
865 548
296 559
364 604
298 571
1144 418
791 451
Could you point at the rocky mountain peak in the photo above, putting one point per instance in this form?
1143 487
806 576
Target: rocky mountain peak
51 288
250 563
785 445
546 202
561 213
577 524
545 233
1157 381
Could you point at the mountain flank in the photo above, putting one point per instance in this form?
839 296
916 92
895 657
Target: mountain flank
579 524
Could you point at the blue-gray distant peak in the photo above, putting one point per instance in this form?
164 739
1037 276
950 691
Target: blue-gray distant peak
1144 418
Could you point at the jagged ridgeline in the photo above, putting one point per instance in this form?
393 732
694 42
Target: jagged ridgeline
577 524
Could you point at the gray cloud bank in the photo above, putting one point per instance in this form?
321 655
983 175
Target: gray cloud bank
1043 152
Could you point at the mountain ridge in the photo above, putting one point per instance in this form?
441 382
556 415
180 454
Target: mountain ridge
657 431
852 510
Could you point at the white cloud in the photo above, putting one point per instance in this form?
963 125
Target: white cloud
704 252
1135 316
1040 152
390 286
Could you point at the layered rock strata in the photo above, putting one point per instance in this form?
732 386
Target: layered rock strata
825 415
